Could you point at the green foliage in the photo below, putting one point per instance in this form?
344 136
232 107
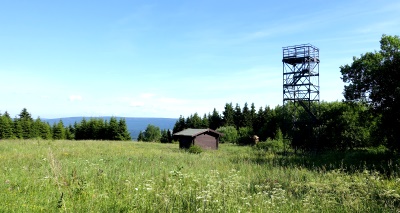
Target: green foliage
99 129
345 125
165 136
17 129
113 129
6 127
274 146
195 122
228 115
195 149
152 133
169 136
230 134
238 117
58 131
44 130
140 136
374 78
123 133
214 120
179 125
245 136
279 135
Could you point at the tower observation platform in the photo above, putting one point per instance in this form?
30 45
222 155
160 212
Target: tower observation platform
301 90
301 76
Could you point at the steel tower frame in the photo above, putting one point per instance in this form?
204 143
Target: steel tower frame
301 81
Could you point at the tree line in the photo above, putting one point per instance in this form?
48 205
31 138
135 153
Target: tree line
24 126
369 115
343 125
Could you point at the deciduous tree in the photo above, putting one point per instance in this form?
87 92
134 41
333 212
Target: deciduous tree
374 78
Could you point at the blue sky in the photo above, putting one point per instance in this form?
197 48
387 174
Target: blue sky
170 58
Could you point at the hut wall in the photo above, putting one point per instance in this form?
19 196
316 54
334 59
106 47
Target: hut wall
185 142
206 141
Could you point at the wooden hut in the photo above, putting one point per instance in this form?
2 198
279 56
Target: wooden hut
205 138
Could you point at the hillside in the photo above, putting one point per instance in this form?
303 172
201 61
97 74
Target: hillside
135 125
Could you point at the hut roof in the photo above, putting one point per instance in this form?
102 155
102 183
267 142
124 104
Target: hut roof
195 132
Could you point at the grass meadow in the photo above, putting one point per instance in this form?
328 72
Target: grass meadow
105 176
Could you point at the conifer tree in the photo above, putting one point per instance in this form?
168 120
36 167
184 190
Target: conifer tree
215 120
123 132
17 129
169 136
180 125
247 117
58 131
194 121
113 129
164 136
228 115
140 136
26 122
204 122
42 129
253 115
238 117
6 126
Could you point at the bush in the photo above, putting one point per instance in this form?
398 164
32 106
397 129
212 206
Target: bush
245 136
195 149
262 146
230 134
270 145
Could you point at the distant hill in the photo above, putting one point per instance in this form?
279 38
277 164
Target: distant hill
135 125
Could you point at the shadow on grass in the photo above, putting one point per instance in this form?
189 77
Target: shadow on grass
375 159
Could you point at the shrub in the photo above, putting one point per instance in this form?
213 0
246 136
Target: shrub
245 136
230 134
262 146
270 145
195 149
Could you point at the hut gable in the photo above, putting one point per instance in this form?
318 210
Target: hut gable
205 138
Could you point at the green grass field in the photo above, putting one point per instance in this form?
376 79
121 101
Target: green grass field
104 176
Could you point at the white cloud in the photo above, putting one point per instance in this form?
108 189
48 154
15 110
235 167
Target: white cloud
75 98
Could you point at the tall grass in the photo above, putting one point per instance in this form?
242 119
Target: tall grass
103 176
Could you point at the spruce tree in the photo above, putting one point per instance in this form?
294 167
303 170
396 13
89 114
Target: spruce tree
238 117
215 120
140 136
26 122
247 117
228 115
58 131
123 132
17 128
169 136
180 125
204 122
253 115
112 132
164 136
6 127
